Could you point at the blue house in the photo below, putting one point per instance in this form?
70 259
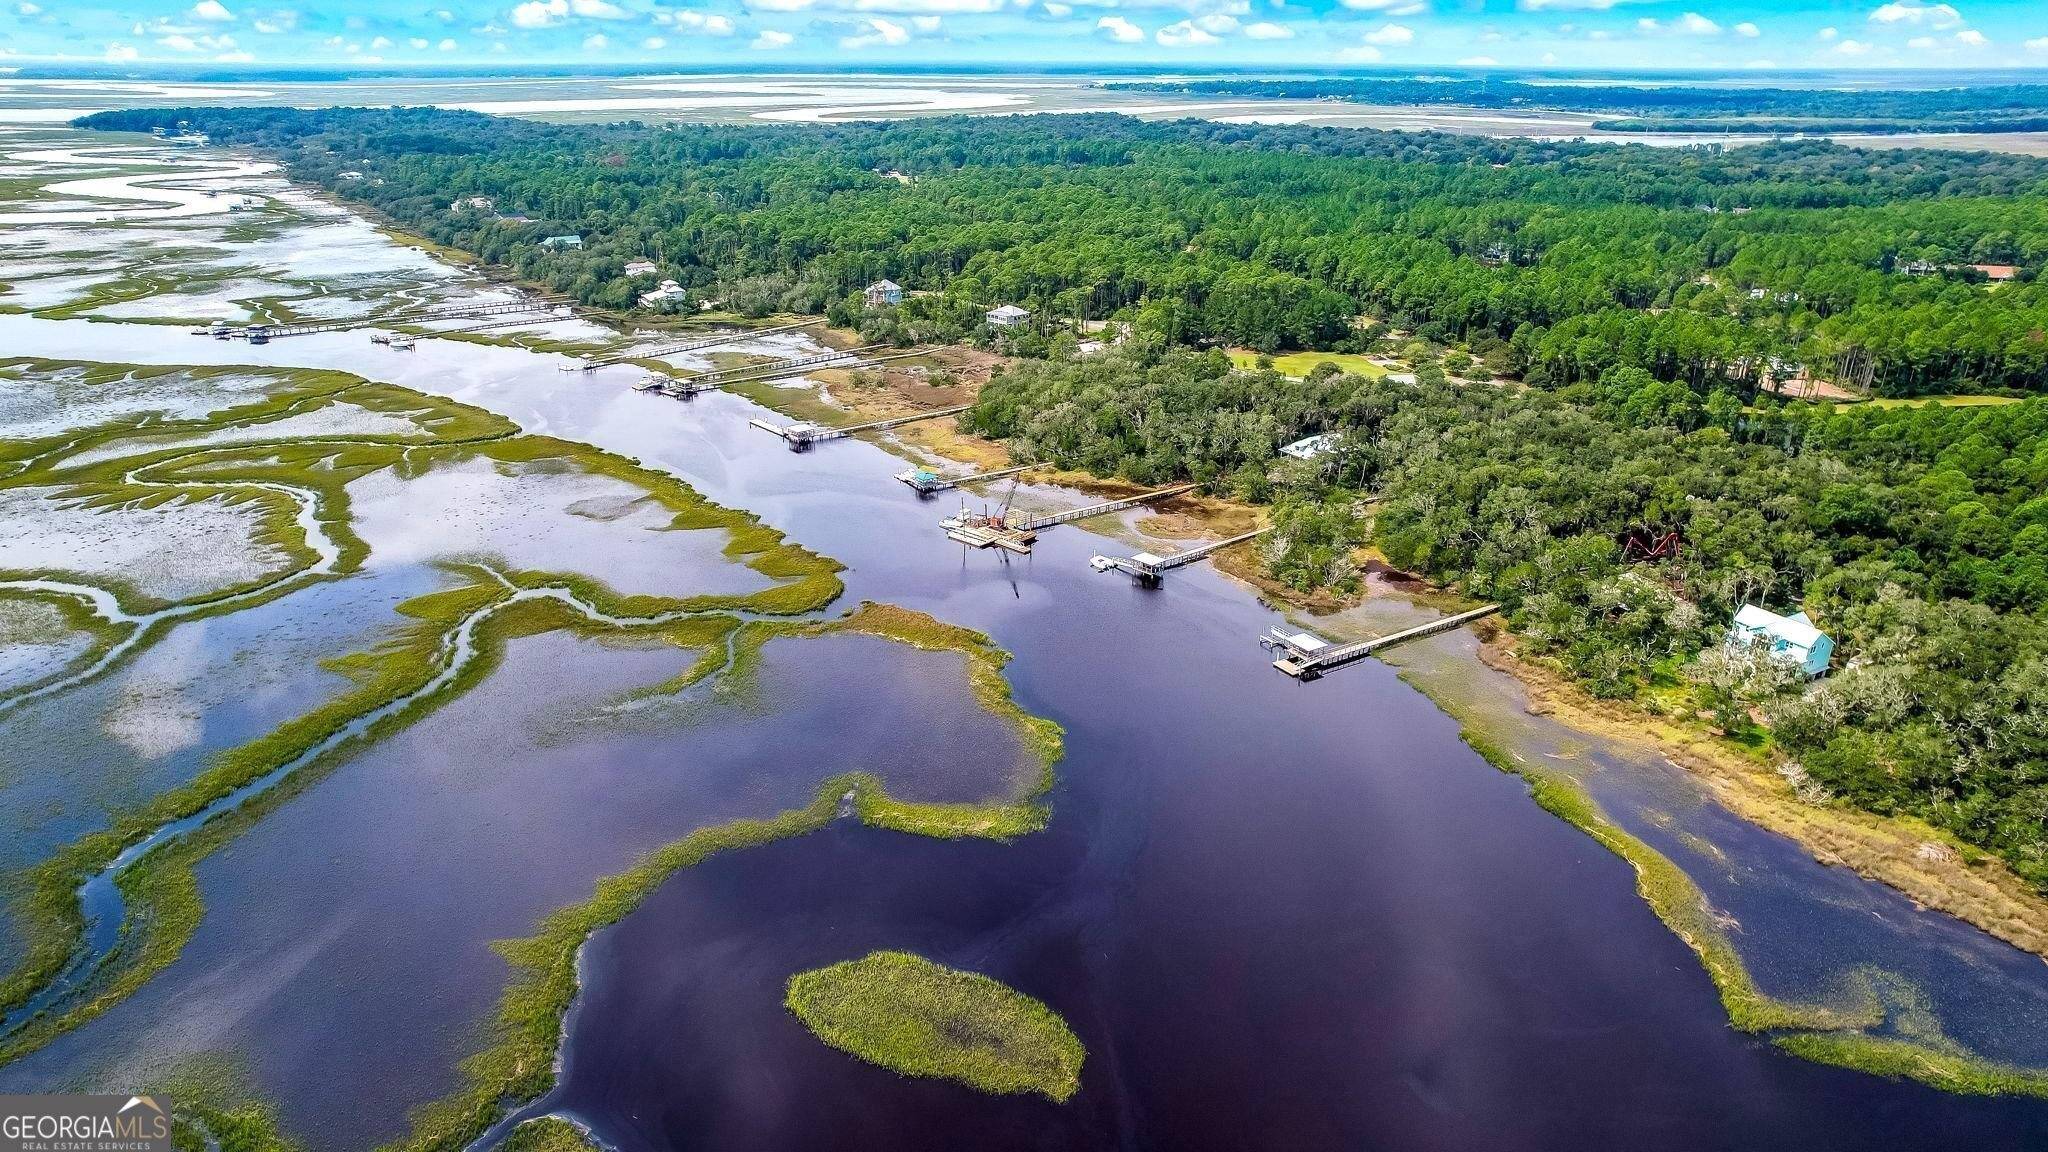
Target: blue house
1792 639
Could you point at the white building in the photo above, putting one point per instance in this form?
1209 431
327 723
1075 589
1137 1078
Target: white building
1007 316
350 175
669 290
1792 639
1313 446
883 293
474 204
569 241
640 268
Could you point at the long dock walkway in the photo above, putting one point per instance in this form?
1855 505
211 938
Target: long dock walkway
259 333
1148 569
698 344
1305 656
1034 523
929 483
802 435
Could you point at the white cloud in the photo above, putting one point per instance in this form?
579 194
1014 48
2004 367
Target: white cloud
444 16
1220 23
1827 34
1183 35
178 43
1389 35
1267 30
1971 38
892 7
1120 30
446 46
654 43
710 25
540 13
1362 54
2038 44
268 27
599 10
1573 5
379 44
121 53
879 31
212 11
1059 11
595 42
1937 16
1478 62
1921 43
770 39
925 24
417 44
235 58
1694 24
1853 48
1748 30
1388 7
26 9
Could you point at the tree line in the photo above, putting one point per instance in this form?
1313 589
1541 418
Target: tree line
1691 264
1916 536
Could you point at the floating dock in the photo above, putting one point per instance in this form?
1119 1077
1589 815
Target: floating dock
803 434
1148 570
1306 656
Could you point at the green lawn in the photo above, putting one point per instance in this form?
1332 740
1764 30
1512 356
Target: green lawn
918 1018
1299 363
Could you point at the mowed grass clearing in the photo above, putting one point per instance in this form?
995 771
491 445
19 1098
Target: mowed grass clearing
918 1018
1300 363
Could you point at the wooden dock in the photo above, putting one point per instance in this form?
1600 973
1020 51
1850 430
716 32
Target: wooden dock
698 344
263 333
1306 656
1016 533
803 434
925 482
1148 570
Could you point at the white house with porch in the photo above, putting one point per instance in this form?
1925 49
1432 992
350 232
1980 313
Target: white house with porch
1792 639
1007 316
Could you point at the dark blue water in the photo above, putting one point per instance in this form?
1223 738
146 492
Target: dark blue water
1279 915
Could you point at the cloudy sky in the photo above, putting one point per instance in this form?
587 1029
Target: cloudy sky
863 33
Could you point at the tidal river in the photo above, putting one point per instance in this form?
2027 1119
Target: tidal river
1279 915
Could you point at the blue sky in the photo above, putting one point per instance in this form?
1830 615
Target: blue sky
1733 34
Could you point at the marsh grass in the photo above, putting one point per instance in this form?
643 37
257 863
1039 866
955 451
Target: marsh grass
918 1018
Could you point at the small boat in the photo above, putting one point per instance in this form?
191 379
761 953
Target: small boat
380 337
652 382
400 343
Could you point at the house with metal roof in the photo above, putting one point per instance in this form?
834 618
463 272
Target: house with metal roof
1792 639
883 293
1007 316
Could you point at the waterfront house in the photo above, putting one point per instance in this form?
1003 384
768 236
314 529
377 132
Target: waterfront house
570 241
669 291
1792 639
1007 316
883 293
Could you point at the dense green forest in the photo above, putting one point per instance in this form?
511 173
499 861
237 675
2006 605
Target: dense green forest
1552 262
1626 296
1675 107
1917 536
